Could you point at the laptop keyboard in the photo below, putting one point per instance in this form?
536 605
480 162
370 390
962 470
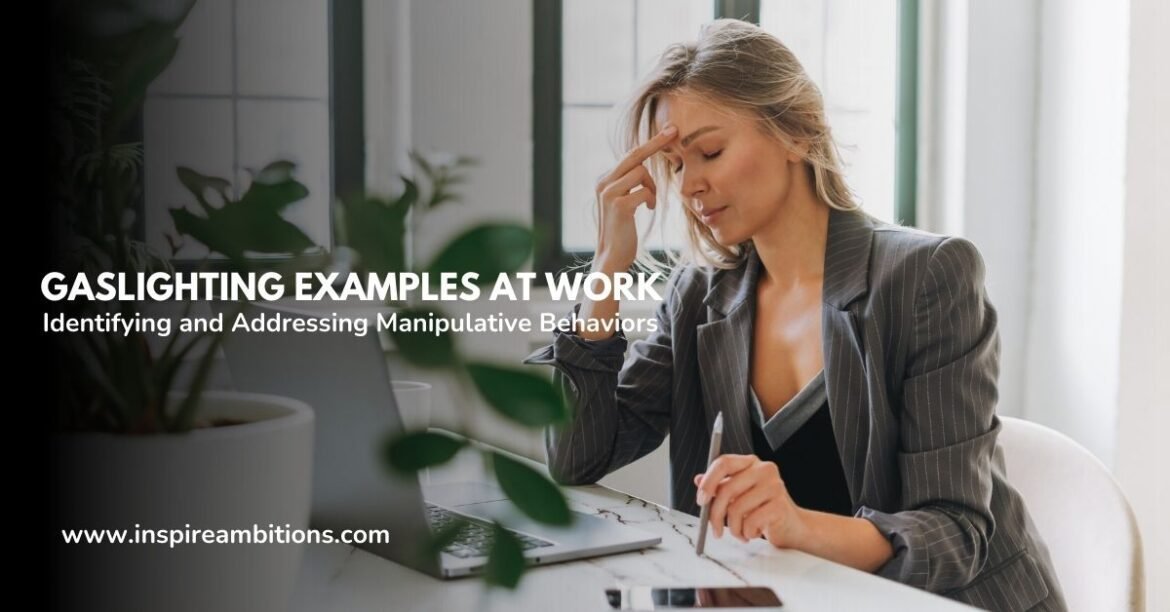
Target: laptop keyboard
476 538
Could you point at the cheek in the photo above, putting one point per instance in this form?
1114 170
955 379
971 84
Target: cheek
756 183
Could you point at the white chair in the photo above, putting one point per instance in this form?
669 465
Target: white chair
1082 515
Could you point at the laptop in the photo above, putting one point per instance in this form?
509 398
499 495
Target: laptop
346 380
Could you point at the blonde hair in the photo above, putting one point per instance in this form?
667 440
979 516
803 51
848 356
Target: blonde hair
738 65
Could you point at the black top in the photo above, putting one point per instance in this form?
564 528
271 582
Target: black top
799 440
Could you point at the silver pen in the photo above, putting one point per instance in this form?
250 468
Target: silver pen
712 454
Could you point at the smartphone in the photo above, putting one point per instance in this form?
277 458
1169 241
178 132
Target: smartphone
673 598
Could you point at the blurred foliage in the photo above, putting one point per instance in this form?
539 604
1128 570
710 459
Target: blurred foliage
375 228
110 51
106 54
250 224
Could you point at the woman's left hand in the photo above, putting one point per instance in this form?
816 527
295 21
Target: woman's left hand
751 496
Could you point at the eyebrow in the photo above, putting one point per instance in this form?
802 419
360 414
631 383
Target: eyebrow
687 140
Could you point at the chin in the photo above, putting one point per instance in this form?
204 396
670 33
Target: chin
727 239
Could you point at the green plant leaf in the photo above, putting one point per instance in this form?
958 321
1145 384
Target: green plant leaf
185 417
419 450
422 163
276 172
523 396
233 233
531 491
505 564
253 223
422 348
198 184
376 229
408 197
488 250
271 198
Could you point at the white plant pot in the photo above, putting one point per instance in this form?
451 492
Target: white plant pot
221 478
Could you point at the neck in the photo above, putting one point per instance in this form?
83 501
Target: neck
792 246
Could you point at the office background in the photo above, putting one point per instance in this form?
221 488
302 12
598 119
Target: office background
1041 135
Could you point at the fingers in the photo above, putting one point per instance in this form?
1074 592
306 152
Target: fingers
744 504
757 521
648 185
633 200
641 153
742 485
639 175
734 486
751 500
619 193
722 467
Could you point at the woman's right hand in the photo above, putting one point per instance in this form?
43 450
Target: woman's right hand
617 201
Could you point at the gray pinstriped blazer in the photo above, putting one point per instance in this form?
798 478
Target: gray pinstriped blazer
911 354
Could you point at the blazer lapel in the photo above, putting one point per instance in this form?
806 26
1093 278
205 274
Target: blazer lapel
847 255
725 341
724 345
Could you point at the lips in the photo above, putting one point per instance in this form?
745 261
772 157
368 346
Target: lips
710 215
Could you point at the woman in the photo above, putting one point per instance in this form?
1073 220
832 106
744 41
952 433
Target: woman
854 362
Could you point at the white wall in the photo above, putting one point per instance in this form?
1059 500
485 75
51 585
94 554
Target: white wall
1022 151
1144 393
387 76
1072 356
471 92
448 76
976 153
1027 150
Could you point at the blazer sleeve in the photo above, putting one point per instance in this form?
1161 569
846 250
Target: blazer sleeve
621 406
948 428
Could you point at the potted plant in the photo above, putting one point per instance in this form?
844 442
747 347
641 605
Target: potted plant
142 446
152 476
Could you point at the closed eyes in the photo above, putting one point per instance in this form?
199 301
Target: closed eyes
707 156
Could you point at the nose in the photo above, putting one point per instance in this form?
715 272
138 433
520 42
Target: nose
692 183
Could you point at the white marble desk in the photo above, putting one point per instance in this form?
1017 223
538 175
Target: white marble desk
340 577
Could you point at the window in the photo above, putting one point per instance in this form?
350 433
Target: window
255 81
590 54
